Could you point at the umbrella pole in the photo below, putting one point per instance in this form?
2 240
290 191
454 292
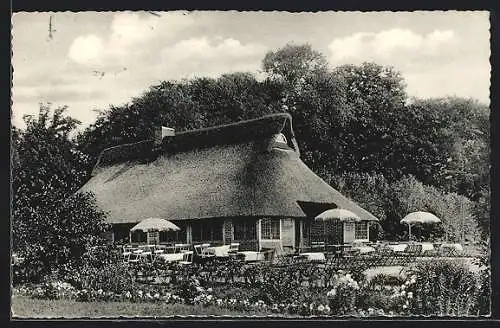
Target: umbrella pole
130 237
409 232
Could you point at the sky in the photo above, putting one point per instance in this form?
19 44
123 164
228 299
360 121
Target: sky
91 60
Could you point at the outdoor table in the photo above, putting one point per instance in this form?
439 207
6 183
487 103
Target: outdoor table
182 247
250 256
171 257
218 251
313 257
426 247
453 248
364 249
398 247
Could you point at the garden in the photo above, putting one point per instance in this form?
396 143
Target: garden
412 155
107 287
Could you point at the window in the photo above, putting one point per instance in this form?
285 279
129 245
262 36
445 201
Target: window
153 237
361 230
207 231
270 229
244 230
280 138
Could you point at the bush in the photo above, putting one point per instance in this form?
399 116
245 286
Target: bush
103 269
444 288
344 294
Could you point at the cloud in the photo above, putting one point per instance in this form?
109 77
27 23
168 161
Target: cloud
210 57
131 34
86 49
396 45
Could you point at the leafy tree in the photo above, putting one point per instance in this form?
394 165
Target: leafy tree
354 119
292 64
455 211
51 226
184 105
459 134
375 97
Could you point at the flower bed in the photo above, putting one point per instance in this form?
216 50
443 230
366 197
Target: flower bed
298 289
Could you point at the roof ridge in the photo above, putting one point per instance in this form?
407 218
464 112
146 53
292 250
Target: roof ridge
237 132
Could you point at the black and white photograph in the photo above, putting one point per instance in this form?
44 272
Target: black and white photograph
248 164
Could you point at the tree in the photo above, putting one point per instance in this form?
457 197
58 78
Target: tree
292 64
185 105
455 211
375 97
461 139
51 226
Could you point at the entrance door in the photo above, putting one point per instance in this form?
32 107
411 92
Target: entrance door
349 231
298 233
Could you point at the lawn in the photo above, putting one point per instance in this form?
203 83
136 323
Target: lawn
25 307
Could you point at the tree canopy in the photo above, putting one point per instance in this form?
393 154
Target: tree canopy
355 124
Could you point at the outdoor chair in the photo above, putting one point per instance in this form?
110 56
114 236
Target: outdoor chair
134 258
449 250
318 245
269 254
198 249
187 258
411 252
234 247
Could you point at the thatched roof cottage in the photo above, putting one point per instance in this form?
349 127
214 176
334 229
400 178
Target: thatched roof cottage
242 182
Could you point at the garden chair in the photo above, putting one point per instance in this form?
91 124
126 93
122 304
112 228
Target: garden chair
134 258
318 245
234 247
411 252
181 248
187 258
198 250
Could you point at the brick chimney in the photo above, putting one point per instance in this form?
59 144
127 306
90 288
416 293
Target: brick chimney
162 132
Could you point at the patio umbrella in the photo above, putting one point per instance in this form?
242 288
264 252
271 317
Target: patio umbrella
419 217
155 224
338 214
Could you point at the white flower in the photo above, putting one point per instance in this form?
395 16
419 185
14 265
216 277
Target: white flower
405 306
327 308
100 291
157 295
410 294
321 308
128 295
199 289
209 290
403 293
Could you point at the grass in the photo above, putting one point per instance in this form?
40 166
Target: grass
25 307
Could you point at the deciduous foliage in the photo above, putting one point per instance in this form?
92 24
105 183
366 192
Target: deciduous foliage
51 226
353 123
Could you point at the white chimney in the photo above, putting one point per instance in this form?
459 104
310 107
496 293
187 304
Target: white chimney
162 132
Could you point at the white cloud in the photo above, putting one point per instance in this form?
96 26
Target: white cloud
202 49
210 56
131 34
86 49
388 45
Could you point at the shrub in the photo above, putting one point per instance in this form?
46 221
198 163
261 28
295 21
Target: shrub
344 294
102 269
443 288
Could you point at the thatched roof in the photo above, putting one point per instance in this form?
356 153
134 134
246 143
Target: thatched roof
225 171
